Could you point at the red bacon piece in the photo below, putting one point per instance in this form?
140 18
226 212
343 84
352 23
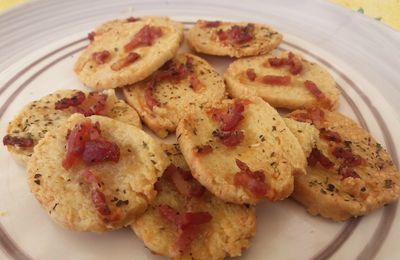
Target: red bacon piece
251 75
231 138
76 143
316 156
101 57
188 225
230 119
330 135
350 159
128 60
295 64
77 99
93 105
91 35
203 149
145 36
276 80
195 83
98 198
149 97
254 182
312 87
348 172
241 34
276 62
23 142
184 181
222 35
211 24
132 19
100 151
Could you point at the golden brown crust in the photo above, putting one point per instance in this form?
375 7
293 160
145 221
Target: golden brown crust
268 145
112 37
128 185
176 98
292 96
329 193
40 116
204 40
227 234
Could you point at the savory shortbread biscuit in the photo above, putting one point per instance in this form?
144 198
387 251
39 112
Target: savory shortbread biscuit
183 84
232 39
241 150
93 194
126 51
40 116
286 80
349 173
226 234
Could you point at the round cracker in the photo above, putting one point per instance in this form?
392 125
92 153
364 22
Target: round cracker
217 239
268 145
204 40
112 37
128 184
327 193
292 96
40 116
176 97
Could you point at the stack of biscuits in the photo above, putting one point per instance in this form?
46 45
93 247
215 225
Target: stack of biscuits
93 168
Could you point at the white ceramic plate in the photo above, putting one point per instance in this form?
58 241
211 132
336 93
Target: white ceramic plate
39 43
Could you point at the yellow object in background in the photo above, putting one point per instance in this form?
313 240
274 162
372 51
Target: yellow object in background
386 11
4 4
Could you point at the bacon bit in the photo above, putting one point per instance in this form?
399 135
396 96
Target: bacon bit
211 24
222 35
254 182
313 115
350 159
203 149
312 87
91 35
101 57
316 156
296 67
151 101
241 34
128 60
98 198
93 105
76 143
295 64
276 80
228 121
23 142
132 19
330 135
251 75
231 138
73 101
85 140
158 186
195 83
188 225
348 172
100 151
184 182
145 36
